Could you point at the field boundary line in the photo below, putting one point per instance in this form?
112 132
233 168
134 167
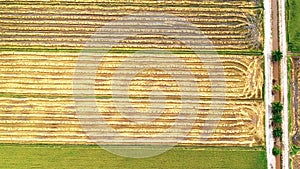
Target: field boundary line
128 50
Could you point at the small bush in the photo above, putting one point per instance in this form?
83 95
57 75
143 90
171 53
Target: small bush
276 56
276 151
276 88
277 132
277 118
294 150
277 107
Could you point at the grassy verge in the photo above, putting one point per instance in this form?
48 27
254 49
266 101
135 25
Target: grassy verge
293 25
290 81
58 156
294 150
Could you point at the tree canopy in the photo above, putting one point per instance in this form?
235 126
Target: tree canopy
276 56
277 132
277 107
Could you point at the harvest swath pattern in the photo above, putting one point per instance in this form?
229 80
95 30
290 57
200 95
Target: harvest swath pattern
296 161
70 25
54 120
36 103
52 74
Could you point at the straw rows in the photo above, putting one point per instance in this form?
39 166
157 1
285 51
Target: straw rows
234 3
138 95
55 121
70 26
30 75
53 74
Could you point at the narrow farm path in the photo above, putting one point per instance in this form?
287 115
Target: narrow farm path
276 65
280 76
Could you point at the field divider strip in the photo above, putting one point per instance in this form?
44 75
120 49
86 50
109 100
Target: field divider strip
126 50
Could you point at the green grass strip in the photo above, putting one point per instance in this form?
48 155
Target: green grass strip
293 16
72 156
290 81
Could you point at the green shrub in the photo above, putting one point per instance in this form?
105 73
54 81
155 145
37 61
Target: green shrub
294 150
277 132
276 107
276 87
276 56
276 151
277 118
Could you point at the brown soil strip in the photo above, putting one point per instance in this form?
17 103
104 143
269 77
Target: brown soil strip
276 65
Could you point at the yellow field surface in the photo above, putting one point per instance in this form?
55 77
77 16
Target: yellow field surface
230 25
32 73
46 75
41 68
32 120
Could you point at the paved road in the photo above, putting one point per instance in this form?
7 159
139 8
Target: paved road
284 84
268 83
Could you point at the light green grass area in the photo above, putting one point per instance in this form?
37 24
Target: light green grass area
293 14
72 157
290 92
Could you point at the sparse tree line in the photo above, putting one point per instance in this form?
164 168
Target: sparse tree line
277 107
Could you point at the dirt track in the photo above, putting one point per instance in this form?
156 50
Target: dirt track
276 65
280 75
